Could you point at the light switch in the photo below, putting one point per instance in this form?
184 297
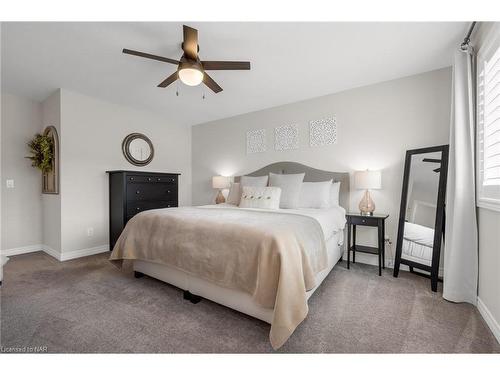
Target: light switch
10 184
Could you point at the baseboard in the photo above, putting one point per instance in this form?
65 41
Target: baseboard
21 250
83 252
372 260
61 256
489 318
53 253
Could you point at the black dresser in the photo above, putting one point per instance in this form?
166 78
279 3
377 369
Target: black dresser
131 192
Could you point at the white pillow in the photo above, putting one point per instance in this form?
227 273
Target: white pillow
334 193
253 181
234 195
315 194
290 185
260 197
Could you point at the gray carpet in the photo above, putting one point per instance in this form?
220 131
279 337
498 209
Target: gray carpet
87 305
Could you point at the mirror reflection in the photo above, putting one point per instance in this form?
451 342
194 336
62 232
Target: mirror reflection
139 149
420 215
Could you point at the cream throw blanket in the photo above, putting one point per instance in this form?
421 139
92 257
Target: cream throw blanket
273 256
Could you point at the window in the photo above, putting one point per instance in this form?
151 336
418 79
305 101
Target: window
488 125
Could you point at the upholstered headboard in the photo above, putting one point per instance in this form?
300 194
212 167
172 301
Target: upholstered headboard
311 175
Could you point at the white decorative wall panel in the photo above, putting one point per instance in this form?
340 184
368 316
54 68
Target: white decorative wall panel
256 141
286 137
323 132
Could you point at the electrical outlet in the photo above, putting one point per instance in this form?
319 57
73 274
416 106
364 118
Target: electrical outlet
390 263
10 184
90 232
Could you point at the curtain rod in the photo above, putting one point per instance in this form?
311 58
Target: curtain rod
466 41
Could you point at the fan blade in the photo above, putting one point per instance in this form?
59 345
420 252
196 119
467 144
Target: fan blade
190 45
207 80
149 56
170 79
226 65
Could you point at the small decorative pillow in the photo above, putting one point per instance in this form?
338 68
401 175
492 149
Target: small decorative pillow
254 181
234 195
334 194
260 197
315 194
290 185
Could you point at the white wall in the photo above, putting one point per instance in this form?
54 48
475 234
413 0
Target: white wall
489 233
376 125
51 203
22 208
92 133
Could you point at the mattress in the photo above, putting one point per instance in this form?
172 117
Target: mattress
331 220
418 242
417 252
232 298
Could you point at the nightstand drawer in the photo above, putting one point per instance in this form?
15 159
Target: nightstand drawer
361 220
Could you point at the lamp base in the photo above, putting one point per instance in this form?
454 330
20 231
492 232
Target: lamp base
220 198
366 205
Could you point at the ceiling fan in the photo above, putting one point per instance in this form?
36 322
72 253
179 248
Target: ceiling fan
190 69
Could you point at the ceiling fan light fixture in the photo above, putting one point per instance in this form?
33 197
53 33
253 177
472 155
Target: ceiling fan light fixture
191 76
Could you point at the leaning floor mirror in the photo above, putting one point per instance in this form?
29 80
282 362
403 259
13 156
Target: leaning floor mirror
422 212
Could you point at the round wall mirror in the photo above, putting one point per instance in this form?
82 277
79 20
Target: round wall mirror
138 149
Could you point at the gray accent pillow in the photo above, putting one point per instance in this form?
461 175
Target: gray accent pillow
260 181
290 185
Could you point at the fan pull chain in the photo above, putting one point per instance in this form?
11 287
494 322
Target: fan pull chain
176 88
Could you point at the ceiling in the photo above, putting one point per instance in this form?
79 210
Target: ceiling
290 61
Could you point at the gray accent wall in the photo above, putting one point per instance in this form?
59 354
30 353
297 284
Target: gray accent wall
375 126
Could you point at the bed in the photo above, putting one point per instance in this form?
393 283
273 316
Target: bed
418 243
264 264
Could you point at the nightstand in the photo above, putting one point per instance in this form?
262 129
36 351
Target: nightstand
376 221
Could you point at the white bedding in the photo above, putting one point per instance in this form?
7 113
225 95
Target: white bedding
418 242
275 256
419 234
331 220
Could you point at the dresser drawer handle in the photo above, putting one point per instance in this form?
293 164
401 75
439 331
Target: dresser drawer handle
168 205
138 209
138 192
159 179
363 221
173 179
149 178
168 191
131 179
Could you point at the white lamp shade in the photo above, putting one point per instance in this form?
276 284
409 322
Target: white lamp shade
221 182
367 180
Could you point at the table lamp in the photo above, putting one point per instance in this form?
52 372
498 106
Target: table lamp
367 180
220 182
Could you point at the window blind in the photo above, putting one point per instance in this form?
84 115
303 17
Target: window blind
489 119
488 127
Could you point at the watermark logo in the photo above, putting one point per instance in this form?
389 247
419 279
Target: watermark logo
23 349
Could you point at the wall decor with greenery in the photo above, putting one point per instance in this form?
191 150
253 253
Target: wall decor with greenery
42 152
44 149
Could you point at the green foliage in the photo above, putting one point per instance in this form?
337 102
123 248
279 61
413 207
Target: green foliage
42 152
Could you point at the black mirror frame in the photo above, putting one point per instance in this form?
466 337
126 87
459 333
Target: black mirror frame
433 269
125 149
